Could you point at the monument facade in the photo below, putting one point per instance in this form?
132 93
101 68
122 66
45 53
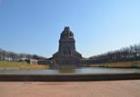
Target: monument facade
67 56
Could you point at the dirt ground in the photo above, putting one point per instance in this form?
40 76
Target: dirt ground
129 88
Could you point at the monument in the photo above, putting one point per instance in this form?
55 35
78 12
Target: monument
67 56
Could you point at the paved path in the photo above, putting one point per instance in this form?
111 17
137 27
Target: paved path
129 88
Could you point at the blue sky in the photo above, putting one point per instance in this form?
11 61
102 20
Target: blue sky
34 26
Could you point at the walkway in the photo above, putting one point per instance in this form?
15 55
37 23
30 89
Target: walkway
129 88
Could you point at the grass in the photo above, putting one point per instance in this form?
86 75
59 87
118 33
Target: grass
21 65
128 64
26 66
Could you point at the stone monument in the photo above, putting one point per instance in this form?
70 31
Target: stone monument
67 56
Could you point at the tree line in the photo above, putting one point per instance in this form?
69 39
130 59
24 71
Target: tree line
131 53
12 56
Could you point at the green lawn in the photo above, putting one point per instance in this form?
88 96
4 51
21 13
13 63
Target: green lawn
26 66
20 65
127 64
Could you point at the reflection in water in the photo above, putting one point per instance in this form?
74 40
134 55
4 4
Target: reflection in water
66 70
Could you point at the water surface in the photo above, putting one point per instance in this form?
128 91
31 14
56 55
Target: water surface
82 71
